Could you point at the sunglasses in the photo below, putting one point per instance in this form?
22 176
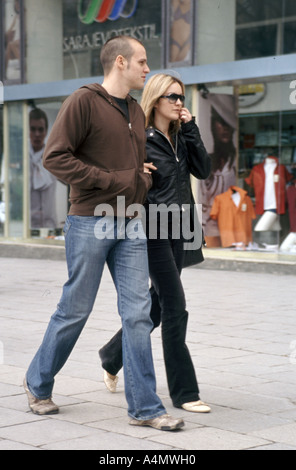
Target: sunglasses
173 98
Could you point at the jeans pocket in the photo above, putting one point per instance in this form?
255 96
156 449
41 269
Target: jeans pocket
67 226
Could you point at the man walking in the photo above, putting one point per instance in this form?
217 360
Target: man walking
97 145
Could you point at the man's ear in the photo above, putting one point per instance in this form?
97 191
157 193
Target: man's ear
120 61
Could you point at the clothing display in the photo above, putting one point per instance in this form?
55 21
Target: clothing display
234 212
260 178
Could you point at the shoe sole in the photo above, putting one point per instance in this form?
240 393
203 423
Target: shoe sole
53 412
167 428
179 425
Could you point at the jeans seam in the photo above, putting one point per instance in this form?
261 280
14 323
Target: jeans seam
126 364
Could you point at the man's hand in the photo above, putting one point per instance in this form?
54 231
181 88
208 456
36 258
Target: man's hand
148 167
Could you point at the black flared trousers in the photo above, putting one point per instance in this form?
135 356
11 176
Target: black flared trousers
168 309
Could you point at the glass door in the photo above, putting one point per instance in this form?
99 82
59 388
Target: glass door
14 169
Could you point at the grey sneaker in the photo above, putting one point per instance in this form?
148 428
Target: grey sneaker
40 407
164 423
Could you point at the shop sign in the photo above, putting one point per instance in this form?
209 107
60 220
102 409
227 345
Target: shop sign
98 38
102 10
98 21
251 94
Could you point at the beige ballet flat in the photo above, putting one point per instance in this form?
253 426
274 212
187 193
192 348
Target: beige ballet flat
110 381
196 407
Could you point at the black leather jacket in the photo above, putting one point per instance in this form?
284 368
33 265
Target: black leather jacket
171 180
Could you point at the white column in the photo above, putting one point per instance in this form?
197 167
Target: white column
44 40
215 42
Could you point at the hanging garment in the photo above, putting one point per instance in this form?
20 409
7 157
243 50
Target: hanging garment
234 212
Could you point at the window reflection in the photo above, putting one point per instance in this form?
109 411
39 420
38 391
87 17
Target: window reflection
42 183
14 205
48 196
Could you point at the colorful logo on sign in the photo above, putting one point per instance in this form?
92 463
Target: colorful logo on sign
102 10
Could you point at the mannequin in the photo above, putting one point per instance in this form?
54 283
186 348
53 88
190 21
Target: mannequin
289 244
270 218
269 180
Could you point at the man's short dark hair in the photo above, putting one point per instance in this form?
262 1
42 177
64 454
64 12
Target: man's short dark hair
118 45
37 114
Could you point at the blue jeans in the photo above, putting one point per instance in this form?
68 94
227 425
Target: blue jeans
90 242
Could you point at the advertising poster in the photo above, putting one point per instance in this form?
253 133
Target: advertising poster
218 126
12 41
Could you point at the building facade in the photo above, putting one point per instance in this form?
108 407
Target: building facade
237 59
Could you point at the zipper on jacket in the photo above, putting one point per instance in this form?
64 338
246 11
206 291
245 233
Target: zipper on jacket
175 152
129 124
177 161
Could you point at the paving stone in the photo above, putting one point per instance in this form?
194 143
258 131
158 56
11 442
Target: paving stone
241 333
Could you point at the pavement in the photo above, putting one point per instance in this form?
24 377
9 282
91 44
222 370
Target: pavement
241 335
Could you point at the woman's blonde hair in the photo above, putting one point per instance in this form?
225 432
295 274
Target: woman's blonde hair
154 89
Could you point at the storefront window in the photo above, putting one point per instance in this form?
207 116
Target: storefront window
265 28
268 151
249 200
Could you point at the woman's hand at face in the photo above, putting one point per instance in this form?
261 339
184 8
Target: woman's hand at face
185 115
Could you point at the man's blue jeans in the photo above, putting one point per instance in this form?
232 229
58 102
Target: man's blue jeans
90 242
